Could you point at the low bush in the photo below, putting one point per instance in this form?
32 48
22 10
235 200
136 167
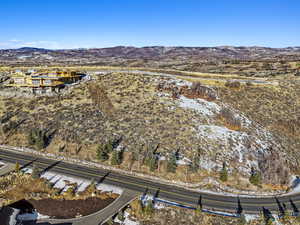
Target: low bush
233 84
199 91
231 121
38 138
101 99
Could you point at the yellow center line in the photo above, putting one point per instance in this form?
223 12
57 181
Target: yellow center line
143 186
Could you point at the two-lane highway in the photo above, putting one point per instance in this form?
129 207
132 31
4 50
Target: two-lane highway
164 191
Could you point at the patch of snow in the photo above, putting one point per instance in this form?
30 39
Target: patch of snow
250 217
180 161
41 216
244 120
220 213
159 205
13 217
192 187
146 198
24 56
83 186
183 161
179 82
27 216
162 94
237 142
127 220
61 181
119 148
295 185
31 216
109 188
27 170
217 132
47 56
223 135
207 164
199 105
162 158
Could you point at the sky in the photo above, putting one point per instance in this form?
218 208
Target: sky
58 24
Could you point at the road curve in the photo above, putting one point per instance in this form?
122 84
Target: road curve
7 168
171 193
102 215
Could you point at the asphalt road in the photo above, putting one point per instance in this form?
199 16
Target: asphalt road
7 168
101 216
163 191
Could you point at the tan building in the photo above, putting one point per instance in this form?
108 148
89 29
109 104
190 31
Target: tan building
44 81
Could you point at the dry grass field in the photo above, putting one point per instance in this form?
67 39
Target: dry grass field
153 117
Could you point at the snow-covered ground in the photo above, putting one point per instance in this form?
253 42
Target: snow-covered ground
183 161
179 82
109 188
295 185
200 105
13 217
157 205
250 217
236 145
62 181
217 132
223 135
127 220
244 147
192 187
31 216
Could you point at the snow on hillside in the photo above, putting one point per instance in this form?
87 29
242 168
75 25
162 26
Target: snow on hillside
223 135
62 181
244 146
200 105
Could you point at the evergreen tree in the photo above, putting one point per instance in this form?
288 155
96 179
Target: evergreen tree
17 167
92 188
224 173
255 177
138 207
194 166
102 153
31 138
109 146
242 220
149 209
41 140
121 216
35 172
110 221
198 210
38 138
153 163
116 158
171 166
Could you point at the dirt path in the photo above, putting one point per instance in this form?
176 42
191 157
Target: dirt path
199 78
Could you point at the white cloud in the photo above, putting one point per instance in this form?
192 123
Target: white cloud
15 40
15 43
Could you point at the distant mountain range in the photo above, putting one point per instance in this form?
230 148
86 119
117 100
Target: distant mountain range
156 52
205 59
